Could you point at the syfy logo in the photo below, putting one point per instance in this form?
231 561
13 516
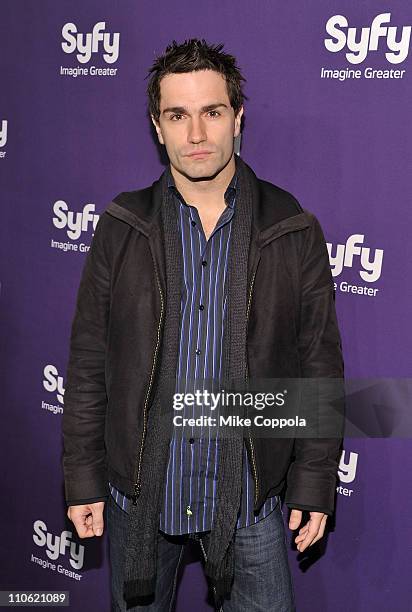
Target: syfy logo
56 545
3 133
368 39
52 382
75 222
87 44
372 269
347 471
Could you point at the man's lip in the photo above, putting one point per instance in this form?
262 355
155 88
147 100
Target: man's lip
199 153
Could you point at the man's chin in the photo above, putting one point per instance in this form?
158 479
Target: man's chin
206 171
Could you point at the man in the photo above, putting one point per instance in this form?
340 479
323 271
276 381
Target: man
210 276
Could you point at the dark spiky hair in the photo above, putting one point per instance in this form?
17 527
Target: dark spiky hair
189 56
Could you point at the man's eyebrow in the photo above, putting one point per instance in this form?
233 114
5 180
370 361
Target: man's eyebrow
181 109
209 107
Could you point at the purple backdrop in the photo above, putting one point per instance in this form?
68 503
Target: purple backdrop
340 141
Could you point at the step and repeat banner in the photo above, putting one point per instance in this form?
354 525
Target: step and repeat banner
327 117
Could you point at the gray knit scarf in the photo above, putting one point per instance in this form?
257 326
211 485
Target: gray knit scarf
141 548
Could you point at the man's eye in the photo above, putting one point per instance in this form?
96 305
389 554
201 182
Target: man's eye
173 117
216 113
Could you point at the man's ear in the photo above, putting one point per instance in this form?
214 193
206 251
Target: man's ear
158 129
238 120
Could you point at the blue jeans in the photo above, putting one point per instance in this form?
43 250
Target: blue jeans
262 581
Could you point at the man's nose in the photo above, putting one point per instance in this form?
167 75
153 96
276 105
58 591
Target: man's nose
197 132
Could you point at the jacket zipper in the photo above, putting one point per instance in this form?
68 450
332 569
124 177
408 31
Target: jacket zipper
137 485
256 482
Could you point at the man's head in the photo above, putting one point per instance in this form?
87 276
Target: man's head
196 105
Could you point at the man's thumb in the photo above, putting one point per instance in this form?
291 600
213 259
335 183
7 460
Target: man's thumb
295 519
97 521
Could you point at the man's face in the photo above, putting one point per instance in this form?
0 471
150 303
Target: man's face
197 123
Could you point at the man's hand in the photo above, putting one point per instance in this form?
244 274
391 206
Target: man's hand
88 519
309 533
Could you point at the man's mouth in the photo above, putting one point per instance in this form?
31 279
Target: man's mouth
199 154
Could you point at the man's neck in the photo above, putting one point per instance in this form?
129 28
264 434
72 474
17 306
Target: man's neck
205 193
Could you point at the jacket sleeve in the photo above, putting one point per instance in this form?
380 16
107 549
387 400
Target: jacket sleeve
85 398
312 476
82 502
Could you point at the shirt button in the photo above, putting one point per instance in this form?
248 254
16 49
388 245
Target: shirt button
204 263
188 511
193 223
201 307
191 440
198 351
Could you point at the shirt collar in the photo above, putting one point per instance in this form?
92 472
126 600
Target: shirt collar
229 193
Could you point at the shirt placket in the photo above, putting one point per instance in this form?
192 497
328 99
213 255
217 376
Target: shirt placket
199 436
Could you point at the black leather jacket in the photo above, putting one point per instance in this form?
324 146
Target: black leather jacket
116 341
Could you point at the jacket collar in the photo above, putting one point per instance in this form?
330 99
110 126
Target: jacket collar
275 211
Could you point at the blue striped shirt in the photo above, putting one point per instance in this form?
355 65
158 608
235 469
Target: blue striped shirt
189 500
